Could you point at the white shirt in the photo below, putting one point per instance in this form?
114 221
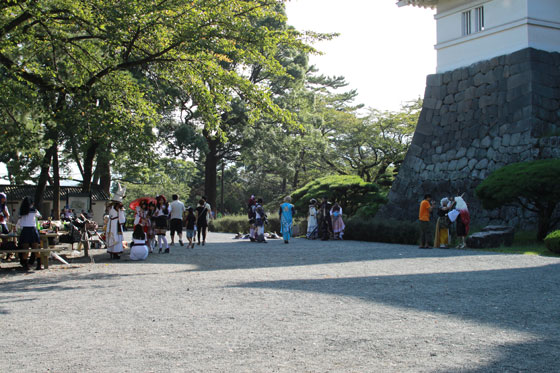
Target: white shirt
177 209
29 219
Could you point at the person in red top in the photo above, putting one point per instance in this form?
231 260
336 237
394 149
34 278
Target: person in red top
426 207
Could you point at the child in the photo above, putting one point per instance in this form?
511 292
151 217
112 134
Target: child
190 221
139 250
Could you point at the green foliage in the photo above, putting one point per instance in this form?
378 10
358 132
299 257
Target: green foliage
350 191
240 224
374 230
552 241
532 185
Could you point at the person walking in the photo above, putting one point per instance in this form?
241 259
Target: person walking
190 225
426 207
286 219
176 212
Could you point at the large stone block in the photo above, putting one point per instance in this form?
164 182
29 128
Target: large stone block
477 119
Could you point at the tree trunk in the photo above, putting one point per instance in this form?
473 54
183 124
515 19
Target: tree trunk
103 169
44 176
88 166
210 177
56 187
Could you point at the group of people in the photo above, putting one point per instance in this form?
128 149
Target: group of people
152 220
451 210
324 220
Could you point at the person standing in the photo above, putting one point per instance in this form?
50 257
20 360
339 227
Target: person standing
325 222
4 214
286 218
176 212
29 235
463 220
160 216
260 221
426 207
441 238
251 206
312 228
202 214
115 222
337 222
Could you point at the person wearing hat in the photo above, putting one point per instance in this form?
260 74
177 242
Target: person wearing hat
116 220
312 226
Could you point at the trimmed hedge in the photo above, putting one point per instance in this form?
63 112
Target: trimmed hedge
375 230
240 224
552 242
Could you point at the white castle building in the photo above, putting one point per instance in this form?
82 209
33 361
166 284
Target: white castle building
472 31
494 100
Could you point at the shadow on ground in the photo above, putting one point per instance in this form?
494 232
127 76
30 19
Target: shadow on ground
524 299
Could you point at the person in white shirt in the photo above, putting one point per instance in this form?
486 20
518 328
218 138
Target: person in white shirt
177 210
29 234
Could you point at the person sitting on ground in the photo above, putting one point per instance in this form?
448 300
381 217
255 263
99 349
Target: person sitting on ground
139 249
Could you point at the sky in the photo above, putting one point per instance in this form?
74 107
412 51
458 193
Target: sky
383 51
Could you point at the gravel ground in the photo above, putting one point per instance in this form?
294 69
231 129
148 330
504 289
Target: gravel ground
310 306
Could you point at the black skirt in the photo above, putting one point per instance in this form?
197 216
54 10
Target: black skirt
29 235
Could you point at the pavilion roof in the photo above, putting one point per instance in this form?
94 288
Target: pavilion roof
420 3
17 192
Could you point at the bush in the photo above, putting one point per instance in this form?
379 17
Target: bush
350 191
532 185
375 230
240 224
552 242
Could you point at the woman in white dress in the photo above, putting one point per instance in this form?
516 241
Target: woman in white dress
139 249
114 233
312 226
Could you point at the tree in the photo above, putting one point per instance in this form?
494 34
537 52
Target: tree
369 146
351 192
66 51
531 185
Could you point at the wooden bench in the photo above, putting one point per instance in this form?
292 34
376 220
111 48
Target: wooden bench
44 254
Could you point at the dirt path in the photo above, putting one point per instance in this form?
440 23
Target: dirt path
310 306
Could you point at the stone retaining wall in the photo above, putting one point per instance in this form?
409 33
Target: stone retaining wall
475 120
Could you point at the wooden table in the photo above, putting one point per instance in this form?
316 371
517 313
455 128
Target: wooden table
44 251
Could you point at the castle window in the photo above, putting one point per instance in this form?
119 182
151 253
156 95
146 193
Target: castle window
479 19
466 23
